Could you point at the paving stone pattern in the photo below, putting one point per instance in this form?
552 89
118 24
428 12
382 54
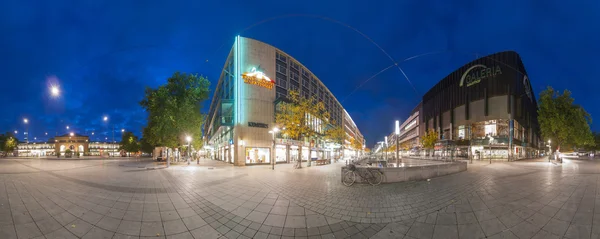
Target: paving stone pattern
42 198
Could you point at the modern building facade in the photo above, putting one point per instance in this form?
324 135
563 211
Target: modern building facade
487 105
485 109
255 77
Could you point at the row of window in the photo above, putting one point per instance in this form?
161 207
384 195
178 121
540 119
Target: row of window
305 84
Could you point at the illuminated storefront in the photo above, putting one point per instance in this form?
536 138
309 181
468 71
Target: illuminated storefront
255 77
78 144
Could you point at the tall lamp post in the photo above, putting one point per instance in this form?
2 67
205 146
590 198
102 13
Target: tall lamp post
490 145
273 132
397 149
26 122
105 119
385 148
189 140
549 149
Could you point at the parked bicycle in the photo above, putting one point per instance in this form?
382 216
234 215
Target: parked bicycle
372 176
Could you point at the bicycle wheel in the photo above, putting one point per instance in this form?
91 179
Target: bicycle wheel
376 177
349 178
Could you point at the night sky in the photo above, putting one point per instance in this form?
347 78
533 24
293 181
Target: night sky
103 53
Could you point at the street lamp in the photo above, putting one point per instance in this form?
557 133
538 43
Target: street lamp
122 130
549 149
273 132
386 148
105 119
397 148
490 144
54 91
189 140
26 121
71 134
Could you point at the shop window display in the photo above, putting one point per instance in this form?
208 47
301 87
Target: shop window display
258 155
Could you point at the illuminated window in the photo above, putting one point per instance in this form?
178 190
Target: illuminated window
461 132
490 129
258 155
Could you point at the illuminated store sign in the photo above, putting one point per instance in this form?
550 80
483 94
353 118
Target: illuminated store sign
476 73
258 78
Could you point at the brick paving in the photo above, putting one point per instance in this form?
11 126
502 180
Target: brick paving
122 199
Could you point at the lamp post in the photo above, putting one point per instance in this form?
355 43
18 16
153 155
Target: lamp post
549 149
490 145
385 148
273 132
54 91
26 121
397 136
105 119
189 140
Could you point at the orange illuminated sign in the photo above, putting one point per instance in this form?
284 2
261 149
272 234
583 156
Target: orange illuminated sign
258 78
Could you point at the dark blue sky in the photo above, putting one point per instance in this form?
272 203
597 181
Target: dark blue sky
105 52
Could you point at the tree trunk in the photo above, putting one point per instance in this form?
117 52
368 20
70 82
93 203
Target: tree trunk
299 160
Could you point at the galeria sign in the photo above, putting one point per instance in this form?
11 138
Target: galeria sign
258 78
478 72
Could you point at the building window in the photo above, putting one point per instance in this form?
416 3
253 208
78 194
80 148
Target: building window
258 155
281 69
294 66
305 72
281 81
281 57
461 132
490 128
294 76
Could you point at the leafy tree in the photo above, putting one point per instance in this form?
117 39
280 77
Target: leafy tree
3 138
129 142
356 145
337 135
429 139
146 147
10 144
174 110
68 153
562 121
297 119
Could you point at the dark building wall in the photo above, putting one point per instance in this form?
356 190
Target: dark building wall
483 94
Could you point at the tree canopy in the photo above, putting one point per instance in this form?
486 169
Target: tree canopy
145 146
336 134
355 144
174 110
298 116
429 139
129 142
563 122
8 142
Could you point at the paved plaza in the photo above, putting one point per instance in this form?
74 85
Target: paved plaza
117 198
